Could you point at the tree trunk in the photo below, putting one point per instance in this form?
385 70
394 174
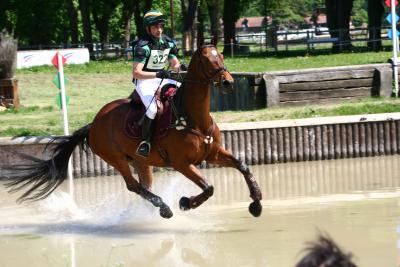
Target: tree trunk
127 13
213 11
338 20
189 8
73 21
344 14
331 11
200 25
138 15
375 14
229 26
86 24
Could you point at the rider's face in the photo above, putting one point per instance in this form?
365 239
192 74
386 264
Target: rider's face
156 30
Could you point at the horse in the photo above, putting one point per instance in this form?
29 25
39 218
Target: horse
181 149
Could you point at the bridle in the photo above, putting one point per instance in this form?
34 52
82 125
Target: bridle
211 80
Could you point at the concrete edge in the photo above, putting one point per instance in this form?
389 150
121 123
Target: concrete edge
25 140
309 121
30 140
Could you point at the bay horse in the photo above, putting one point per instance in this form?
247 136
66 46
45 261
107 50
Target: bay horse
200 140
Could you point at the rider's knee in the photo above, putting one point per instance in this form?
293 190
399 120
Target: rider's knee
151 111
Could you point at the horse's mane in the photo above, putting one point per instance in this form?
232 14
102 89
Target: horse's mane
325 253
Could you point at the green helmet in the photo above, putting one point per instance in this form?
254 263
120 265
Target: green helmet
153 17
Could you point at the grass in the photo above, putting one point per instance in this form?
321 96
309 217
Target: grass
259 62
363 106
94 84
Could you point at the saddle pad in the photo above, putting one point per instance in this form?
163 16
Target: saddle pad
161 123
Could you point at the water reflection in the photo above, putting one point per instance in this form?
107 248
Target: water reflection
279 181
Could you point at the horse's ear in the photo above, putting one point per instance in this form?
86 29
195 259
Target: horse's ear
214 40
200 42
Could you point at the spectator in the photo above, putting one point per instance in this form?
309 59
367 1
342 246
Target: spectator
245 24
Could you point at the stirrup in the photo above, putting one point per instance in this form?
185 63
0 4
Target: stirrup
143 149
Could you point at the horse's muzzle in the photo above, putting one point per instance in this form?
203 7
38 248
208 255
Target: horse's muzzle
227 86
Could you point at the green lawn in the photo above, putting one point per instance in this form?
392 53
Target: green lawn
99 82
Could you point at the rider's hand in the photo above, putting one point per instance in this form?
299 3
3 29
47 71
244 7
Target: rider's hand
183 67
163 74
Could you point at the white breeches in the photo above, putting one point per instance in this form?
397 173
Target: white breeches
146 90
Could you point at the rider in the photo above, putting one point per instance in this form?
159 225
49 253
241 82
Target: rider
151 55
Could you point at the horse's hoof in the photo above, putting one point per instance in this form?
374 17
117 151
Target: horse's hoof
255 208
184 203
166 212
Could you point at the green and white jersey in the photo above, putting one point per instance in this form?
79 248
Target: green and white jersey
154 54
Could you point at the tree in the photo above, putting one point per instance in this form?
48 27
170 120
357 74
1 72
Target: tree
128 7
140 8
40 22
231 14
7 16
86 23
102 11
189 10
73 21
214 14
375 14
338 19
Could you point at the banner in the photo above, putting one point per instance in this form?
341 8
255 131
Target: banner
26 59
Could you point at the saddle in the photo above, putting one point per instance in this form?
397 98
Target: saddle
167 116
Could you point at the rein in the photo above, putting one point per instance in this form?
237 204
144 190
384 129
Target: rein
182 121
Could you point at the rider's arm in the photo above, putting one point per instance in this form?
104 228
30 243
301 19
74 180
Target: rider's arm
174 64
139 73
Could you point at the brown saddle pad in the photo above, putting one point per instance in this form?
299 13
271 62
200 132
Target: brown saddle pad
162 121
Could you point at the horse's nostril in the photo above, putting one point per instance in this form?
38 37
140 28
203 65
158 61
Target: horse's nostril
226 83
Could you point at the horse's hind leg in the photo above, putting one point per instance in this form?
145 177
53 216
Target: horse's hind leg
145 174
194 175
225 159
134 186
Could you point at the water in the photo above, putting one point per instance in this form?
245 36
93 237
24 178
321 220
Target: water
355 201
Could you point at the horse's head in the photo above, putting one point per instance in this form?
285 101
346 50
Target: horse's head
210 67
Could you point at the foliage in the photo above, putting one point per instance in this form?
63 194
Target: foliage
40 22
359 14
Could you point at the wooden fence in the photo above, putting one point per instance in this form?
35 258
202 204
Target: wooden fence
261 142
304 87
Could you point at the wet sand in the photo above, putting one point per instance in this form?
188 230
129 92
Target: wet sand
356 201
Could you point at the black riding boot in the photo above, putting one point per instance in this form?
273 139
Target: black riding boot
147 131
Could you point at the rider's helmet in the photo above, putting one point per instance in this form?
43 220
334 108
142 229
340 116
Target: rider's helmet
153 17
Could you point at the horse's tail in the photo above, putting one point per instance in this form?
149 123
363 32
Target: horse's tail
44 176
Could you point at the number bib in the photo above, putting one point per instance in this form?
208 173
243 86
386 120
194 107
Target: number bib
158 59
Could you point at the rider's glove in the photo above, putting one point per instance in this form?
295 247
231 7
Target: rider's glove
183 67
163 74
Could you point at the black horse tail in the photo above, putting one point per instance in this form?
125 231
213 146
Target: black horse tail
44 176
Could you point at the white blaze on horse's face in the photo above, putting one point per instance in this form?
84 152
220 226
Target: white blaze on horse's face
214 52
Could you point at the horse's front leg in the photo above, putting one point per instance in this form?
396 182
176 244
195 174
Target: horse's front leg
191 172
225 159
